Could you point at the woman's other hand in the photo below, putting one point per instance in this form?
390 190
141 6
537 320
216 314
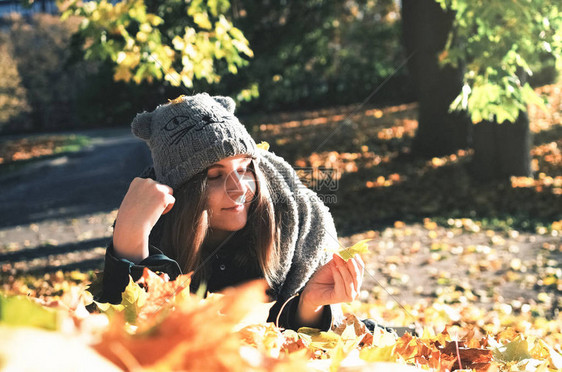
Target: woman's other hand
143 204
337 281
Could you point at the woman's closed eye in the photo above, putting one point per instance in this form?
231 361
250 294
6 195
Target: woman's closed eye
213 176
220 174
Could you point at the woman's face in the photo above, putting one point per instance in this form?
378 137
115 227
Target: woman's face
231 186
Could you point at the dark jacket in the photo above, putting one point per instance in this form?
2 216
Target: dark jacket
224 273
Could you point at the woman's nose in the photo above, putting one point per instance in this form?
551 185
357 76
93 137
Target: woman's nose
240 184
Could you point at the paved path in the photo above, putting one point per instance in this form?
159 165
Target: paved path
92 180
57 213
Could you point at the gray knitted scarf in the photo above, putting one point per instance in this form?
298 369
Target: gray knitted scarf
308 233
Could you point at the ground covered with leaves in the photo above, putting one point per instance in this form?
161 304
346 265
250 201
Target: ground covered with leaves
14 152
473 267
159 325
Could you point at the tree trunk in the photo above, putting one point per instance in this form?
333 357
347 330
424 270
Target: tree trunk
425 28
502 150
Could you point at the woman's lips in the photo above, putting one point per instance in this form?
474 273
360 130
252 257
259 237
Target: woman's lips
237 208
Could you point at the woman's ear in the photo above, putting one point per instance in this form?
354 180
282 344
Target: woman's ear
226 102
142 125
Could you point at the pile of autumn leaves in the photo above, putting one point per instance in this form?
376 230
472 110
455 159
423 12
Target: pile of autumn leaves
161 326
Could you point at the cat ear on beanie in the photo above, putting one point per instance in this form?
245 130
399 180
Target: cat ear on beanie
227 102
142 125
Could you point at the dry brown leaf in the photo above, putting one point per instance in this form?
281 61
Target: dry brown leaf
352 321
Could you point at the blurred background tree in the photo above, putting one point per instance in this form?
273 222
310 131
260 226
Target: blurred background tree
425 29
474 58
311 54
46 85
14 106
37 48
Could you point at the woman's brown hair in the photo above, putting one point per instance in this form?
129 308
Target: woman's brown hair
186 228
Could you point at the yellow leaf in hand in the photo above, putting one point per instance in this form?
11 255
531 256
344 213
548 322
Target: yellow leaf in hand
358 248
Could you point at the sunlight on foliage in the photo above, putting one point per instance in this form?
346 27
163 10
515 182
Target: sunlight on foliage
501 41
144 47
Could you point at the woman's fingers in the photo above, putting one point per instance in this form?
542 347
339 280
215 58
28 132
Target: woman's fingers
361 266
347 277
337 281
169 202
156 194
339 289
355 271
350 276
143 204
162 187
169 199
359 260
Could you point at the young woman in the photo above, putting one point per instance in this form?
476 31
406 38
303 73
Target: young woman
217 205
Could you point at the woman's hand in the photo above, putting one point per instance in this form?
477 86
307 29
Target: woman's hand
145 201
337 281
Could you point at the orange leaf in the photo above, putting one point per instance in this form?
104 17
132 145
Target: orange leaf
196 335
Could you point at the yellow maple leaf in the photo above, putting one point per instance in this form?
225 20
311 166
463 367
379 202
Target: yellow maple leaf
360 247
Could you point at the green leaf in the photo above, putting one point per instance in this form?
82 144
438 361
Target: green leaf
22 311
530 97
513 351
202 20
133 298
502 115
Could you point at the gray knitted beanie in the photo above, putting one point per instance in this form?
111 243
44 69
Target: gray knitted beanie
188 134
